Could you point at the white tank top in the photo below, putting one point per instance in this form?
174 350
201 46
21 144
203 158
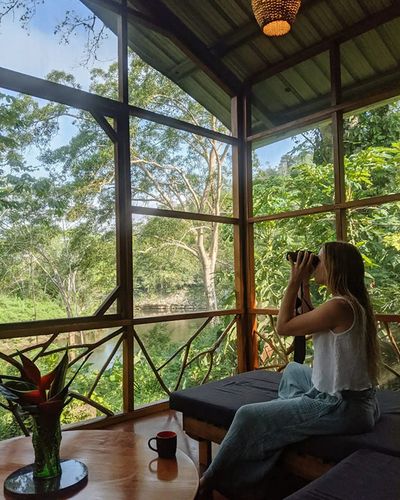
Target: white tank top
340 359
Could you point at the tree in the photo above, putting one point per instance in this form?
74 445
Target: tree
170 169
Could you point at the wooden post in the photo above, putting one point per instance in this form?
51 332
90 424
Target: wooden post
337 140
123 213
243 233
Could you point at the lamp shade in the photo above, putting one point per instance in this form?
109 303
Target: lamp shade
275 17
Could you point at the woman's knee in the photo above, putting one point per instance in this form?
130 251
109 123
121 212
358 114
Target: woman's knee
292 367
245 415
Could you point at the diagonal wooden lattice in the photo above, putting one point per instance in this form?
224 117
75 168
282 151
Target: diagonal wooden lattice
45 349
186 359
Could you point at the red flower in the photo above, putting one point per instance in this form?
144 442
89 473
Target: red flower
36 393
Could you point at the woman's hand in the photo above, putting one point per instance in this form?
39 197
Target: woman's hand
302 269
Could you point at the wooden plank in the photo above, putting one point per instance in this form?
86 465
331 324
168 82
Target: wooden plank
369 202
342 36
385 93
105 422
293 213
336 74
123 216
180 125
108 302
305 466
205 455
176 317
175 214
337 142
273 311
200 430
134 16
243 239
388 318
98 106
46 327
108 129
362 203
193 47
151 409
38 87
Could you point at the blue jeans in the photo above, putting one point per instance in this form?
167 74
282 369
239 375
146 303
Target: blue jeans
260 431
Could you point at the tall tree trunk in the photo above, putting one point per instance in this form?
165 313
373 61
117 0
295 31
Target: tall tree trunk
209 286
208 259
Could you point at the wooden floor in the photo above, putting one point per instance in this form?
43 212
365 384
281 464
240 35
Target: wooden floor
281 486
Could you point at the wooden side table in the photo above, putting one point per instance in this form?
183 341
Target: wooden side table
121 466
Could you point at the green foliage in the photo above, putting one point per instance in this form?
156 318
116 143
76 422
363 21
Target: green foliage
377 127
14 309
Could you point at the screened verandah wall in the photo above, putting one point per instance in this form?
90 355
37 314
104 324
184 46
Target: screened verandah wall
237 337
127 368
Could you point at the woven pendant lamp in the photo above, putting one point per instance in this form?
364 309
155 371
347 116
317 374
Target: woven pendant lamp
275 17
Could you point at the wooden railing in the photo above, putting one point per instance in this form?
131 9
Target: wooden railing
89 401
275 352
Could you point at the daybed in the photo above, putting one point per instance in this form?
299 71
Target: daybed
208 411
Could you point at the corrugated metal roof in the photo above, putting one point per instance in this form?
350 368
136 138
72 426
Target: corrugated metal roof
229 31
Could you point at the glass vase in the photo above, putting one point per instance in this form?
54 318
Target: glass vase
46 440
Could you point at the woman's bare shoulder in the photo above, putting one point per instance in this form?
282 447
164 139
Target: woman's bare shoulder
343 312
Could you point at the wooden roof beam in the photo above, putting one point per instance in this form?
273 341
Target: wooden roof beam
385 91
192 46
346 34
386 80
133 15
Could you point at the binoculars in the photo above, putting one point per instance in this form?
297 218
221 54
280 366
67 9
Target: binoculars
293 257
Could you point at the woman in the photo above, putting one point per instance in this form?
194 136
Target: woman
336 397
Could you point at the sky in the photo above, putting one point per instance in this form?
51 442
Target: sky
271 155
36 50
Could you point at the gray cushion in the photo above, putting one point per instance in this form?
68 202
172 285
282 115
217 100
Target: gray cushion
364 475
217 402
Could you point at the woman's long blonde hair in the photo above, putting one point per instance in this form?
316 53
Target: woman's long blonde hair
345 276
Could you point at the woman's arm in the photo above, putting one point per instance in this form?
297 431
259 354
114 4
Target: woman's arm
323 318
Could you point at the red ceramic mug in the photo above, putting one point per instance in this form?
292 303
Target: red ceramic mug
165 444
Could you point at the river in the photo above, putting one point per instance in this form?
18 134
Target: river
179 331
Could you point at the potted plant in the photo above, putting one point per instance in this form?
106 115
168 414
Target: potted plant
43 397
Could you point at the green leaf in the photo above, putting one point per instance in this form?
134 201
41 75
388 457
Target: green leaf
31 371
19 386
9 395
59 380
